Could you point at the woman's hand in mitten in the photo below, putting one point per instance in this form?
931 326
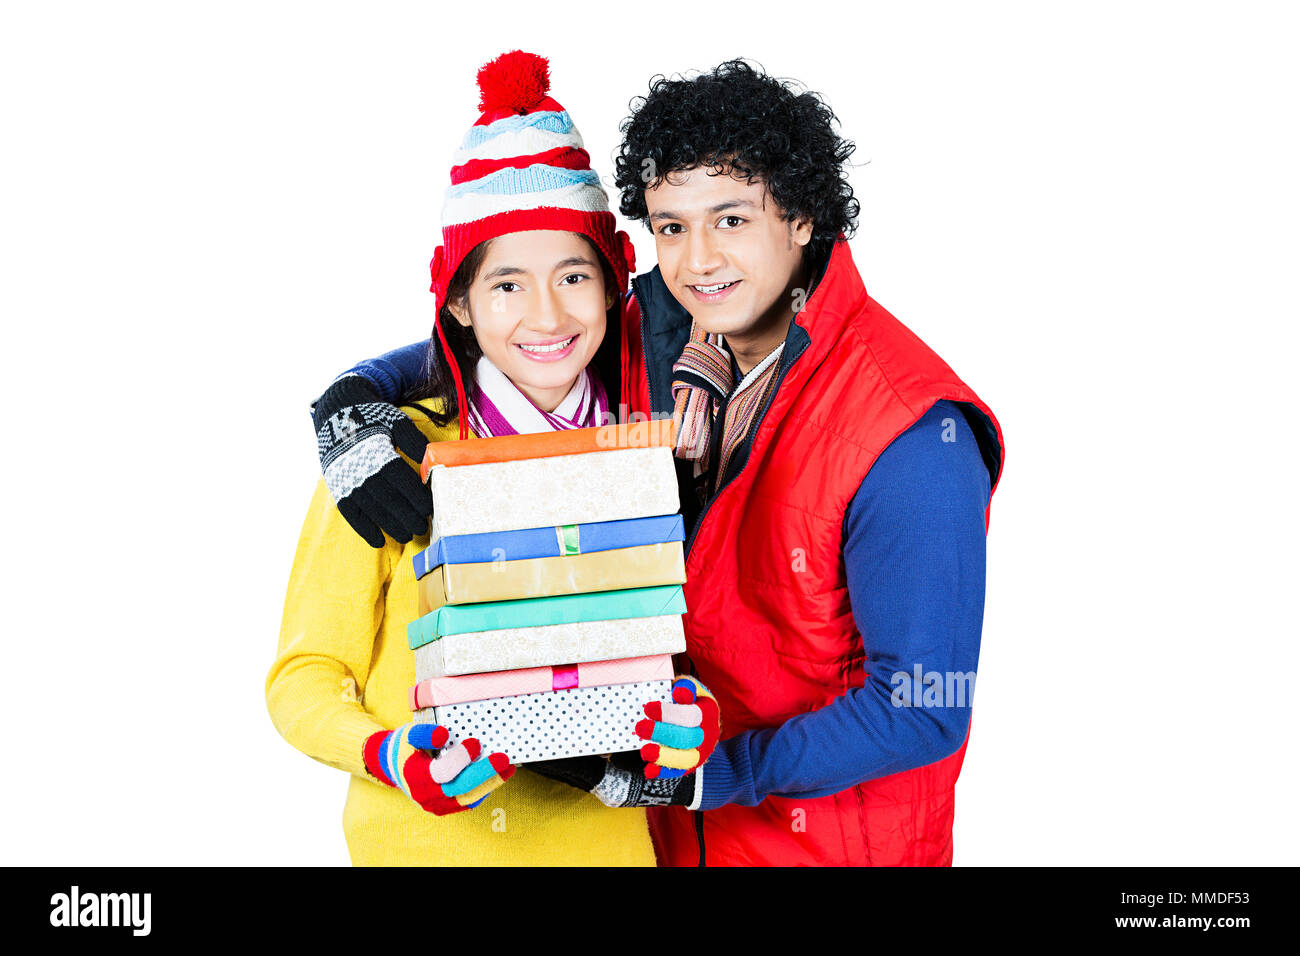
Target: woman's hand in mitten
681 734
441 781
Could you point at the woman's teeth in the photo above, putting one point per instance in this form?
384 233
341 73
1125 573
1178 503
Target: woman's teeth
710 289
554 347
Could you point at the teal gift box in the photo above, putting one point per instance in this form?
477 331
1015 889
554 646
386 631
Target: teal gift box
537 612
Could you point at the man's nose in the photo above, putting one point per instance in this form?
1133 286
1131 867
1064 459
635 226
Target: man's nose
702 252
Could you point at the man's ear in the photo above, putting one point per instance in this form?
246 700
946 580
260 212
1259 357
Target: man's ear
460 312
801 231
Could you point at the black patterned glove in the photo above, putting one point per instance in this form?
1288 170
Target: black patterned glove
619 781
375 490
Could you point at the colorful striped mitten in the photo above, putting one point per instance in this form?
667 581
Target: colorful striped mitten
681 734
453 780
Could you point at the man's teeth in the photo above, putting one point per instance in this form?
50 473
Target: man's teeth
710 289
555 347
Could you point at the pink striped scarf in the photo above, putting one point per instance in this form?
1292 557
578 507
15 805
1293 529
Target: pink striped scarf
498 407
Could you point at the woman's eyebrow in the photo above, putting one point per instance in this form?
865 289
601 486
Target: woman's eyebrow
500 271
574 261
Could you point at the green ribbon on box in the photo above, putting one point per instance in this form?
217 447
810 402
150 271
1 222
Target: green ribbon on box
538 612
567 536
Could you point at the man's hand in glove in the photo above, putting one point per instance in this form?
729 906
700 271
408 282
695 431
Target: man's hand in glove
620 780
682 734
357 435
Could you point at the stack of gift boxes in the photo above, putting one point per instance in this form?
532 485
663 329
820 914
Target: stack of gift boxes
551 592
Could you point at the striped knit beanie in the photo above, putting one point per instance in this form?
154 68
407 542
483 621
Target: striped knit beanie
521 167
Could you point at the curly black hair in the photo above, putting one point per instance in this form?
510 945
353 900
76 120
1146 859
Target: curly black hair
740 120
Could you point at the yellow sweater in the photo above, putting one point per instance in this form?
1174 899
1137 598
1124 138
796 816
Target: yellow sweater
343 671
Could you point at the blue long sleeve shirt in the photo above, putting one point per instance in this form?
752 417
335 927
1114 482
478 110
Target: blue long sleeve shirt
914 551
914 561
394 373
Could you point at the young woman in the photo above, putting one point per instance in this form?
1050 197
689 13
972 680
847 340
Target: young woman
529 336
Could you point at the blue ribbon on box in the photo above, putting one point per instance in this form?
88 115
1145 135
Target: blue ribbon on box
550 542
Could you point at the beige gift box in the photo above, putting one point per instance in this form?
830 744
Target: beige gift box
647 565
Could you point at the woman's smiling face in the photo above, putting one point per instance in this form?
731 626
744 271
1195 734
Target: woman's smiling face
537 307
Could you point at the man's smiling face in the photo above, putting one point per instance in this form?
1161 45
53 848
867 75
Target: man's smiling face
728 255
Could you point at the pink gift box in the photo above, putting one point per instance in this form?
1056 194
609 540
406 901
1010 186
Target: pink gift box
442 691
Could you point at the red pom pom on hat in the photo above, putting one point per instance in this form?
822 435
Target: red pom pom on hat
514 81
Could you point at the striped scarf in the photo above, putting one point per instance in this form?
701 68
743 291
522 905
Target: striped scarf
499 408
702 378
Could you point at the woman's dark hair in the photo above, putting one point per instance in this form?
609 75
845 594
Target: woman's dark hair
751 125
438 381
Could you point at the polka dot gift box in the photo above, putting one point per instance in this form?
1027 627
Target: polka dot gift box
543 713
549 615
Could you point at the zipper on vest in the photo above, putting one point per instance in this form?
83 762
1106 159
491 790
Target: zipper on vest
645 359
690 508
746 447
699 832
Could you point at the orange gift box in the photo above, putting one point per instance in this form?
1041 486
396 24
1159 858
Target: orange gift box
655 433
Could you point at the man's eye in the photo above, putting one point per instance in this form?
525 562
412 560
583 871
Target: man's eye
505 287
732 221
670 229
574 278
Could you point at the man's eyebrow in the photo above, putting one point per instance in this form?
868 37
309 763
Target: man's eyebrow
712 211
732 204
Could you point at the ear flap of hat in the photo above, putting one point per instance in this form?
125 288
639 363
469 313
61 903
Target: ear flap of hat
629 251
436 280
435 270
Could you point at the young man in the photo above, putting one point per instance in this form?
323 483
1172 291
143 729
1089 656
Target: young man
835 480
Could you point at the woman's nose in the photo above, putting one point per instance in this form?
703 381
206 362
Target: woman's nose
547 313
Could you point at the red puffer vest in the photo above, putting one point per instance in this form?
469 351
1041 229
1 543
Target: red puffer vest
769 628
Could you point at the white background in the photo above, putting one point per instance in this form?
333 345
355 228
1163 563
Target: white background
1090 210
